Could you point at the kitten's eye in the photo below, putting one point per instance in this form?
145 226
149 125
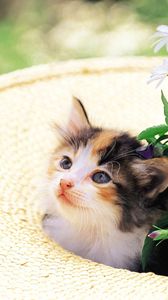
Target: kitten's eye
101 177
65 163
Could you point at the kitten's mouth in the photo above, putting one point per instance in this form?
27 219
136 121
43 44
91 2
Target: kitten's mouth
71 199
66 198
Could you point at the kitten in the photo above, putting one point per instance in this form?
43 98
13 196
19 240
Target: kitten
101 197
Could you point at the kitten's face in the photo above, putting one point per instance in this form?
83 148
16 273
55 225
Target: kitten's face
96 174
81 181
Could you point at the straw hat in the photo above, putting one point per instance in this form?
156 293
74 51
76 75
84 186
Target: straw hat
115 94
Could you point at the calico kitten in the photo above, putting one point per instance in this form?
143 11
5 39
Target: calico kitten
101 197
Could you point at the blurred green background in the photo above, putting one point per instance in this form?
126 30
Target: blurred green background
41 31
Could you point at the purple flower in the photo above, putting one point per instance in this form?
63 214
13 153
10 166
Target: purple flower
154 234
146 152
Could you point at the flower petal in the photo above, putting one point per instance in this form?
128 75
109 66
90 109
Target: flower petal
160 44
162 28
162 37
160 82
153 234
159 73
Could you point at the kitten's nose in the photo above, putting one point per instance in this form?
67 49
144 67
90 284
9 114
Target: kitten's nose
66 184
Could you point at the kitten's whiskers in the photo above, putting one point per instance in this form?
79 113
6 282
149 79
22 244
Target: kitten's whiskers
129 153
118 171
106 155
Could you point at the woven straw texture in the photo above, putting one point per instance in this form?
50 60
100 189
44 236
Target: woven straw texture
115 94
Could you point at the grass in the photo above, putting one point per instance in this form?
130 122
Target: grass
43 31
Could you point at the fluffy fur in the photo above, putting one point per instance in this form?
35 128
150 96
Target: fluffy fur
105 222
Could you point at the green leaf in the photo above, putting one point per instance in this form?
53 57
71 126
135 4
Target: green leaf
165 103
163 235
163 222
162 138
150 244
153 131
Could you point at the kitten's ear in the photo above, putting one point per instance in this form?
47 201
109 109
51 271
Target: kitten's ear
152 175
77 120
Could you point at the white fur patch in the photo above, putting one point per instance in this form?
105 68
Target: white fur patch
111 247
